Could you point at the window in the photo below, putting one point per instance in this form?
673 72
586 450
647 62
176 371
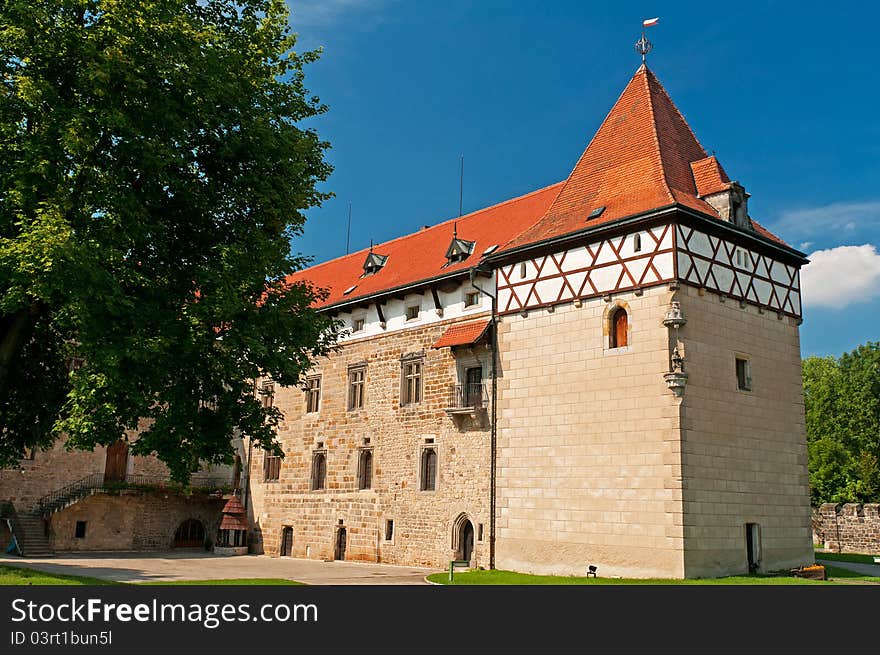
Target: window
389 529
319 471
313 394
471 298
271 468
412 313
356 376
739 257
29 455
618 328
429 469
357 324
267 393
479 531
743 374
365 469
522 270
753 546
637 242
412 383
80 532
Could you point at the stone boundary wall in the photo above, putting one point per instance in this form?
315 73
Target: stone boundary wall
847 528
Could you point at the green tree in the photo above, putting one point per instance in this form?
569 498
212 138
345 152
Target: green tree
155 168
842 403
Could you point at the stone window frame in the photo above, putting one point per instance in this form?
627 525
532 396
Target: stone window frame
313 476
313 394
428 445
747 371
362 453
417 306
470 292
353 369
271 467
388 523
405 362
608 316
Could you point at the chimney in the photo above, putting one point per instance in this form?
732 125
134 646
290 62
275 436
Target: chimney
732 204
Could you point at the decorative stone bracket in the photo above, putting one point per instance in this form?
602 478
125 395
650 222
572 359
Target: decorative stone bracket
676 379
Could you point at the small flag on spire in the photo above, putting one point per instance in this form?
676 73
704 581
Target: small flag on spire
650 22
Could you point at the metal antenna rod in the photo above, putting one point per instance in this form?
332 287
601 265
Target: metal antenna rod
348 232
460 185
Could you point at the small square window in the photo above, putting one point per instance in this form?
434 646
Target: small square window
389 529
80 530
358 324
471 298
743 374
412 313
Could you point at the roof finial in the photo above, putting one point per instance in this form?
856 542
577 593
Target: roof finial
455 229
643 46
371 246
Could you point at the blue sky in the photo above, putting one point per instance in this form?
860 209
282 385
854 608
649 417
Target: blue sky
785 93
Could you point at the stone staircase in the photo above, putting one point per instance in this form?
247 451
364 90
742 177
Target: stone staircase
30 534
30 529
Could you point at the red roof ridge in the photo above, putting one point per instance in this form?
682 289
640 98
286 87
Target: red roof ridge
470 215
644 68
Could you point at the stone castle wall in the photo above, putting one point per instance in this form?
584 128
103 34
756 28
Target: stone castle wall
588 453
744 455
847 528
131 521
424 521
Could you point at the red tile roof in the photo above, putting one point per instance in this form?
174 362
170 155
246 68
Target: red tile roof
462 334
639 160
643 157
709 176
421 255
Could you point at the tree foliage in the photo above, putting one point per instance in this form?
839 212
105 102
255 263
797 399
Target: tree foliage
155 168
842 401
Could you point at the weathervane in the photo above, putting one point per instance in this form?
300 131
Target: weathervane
643 46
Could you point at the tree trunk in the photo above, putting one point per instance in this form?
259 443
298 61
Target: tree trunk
15 331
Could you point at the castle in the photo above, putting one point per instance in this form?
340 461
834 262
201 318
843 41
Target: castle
603 372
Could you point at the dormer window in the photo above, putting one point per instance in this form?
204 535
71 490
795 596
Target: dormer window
459 250
373 263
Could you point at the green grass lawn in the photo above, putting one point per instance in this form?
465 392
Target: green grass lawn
846 557
14 575
511 578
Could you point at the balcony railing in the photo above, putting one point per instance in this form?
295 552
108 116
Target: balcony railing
467 398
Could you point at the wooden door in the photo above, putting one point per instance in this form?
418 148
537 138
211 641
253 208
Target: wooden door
340 544
286 542
117 462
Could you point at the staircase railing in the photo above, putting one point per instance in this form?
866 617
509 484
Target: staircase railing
64 496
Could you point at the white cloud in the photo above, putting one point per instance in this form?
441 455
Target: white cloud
827 221
322 13
841 276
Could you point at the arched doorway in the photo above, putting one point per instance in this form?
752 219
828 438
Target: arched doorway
463 539
339 550
190 534
286 542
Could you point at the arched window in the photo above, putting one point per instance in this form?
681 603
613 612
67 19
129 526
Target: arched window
365 469
429 469
637 243
319 471
619 325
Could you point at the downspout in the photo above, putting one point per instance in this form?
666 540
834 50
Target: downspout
493 430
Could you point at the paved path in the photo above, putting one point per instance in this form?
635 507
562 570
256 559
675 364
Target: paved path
864 569
182 565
